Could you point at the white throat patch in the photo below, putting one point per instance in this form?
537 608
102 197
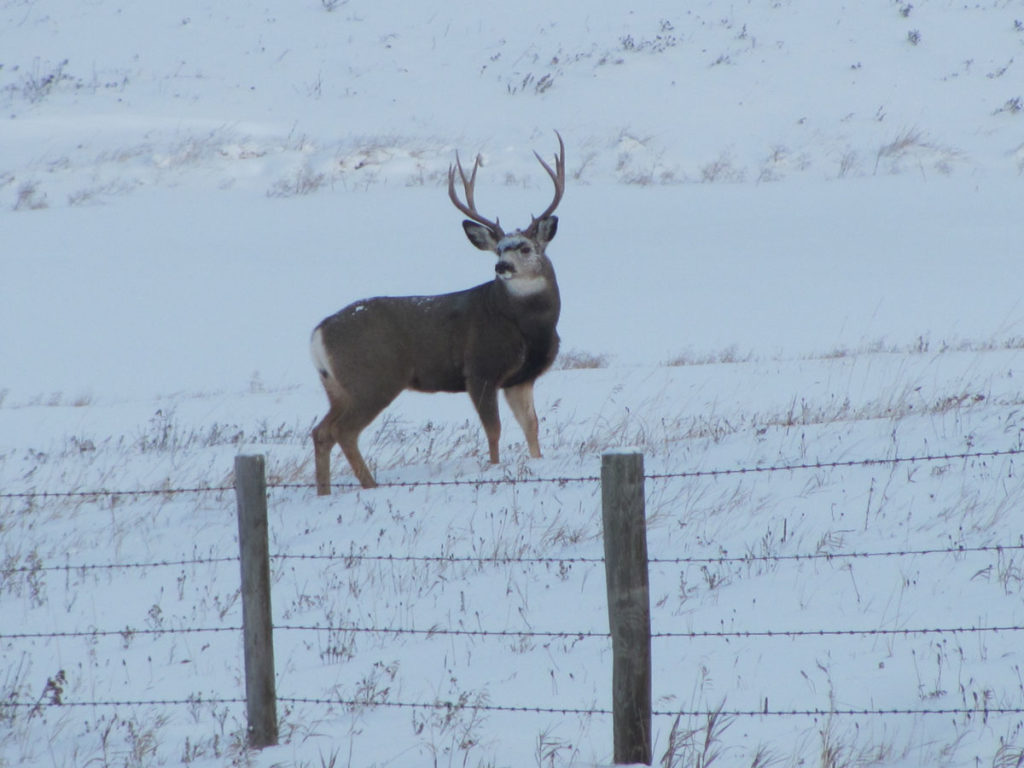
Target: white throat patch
524 285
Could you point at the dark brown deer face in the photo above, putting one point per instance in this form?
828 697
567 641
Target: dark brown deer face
522 264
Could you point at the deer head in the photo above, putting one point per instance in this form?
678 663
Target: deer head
521 255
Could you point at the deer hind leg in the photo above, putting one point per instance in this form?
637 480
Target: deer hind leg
485 397
520 400
323 442
339 428
350 413
349 441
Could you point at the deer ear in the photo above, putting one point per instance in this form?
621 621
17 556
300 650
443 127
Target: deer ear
480 236
546 229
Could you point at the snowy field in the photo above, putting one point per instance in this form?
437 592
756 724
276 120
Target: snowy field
790 242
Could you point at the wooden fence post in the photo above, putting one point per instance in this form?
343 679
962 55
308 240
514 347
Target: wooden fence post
629 603
257 626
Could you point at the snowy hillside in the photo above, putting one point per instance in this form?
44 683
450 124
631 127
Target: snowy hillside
790 245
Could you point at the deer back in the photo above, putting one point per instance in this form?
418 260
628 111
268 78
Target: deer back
434 343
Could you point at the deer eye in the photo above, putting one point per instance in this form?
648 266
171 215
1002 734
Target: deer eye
525 248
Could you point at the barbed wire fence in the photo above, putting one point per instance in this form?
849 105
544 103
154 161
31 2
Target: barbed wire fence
352 559
481 482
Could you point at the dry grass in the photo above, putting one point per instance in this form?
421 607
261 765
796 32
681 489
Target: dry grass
911 148
697 745
29 197
920 346
730 354
576 359
304 181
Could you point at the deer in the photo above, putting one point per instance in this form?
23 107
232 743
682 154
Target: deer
500 335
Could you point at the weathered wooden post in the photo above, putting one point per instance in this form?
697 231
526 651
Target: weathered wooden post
257 625
629 603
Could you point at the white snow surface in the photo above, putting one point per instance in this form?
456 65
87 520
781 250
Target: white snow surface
791 236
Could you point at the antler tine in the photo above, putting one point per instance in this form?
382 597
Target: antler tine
557 176
469 207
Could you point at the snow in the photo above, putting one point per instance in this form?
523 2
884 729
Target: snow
791 237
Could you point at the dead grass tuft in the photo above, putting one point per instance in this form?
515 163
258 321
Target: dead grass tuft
305 181
576 359
29 198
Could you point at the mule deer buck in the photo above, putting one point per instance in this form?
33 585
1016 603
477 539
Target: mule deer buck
498 335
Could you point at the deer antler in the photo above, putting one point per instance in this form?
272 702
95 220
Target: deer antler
469 207
558 177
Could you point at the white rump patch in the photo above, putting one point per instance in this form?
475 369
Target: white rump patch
319 353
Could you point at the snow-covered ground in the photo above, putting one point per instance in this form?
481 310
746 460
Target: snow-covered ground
791 236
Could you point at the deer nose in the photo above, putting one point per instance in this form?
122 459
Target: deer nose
504 266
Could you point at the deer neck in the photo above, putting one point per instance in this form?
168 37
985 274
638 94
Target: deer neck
533 302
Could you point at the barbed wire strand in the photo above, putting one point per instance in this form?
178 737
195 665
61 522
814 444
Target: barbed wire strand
686 474
724 559
119 566
710 473
958 550
838 464
508 560
102 492
454 706
693 635
129 632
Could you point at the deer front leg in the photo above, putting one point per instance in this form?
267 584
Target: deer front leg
520 400
485 398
